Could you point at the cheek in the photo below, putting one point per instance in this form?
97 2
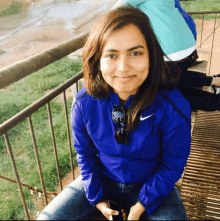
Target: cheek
103 65
142 66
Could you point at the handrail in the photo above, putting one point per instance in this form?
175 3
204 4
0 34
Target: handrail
203 12
25 67
32 188
22 115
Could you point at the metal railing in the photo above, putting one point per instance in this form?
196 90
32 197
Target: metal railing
21 69
203 13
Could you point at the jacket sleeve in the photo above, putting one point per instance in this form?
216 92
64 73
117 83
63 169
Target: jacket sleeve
87 157
175 141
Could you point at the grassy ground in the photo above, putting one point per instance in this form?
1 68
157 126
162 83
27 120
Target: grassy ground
15 98
13 9
202 5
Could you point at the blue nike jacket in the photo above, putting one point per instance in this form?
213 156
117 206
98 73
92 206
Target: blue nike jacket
156 154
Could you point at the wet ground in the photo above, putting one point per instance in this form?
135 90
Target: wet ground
44 24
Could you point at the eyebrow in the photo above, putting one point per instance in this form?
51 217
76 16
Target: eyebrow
130 49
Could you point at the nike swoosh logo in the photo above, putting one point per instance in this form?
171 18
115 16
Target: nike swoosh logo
144 118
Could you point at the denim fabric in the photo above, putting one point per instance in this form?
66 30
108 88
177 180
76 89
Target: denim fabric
72 204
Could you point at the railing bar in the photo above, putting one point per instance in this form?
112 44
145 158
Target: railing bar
210 34
29 187
23 68
22 115
203 12
201 31
16 174
68 133
54 144
77 86
213 39
37 158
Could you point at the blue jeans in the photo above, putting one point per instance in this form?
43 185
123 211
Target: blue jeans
72 204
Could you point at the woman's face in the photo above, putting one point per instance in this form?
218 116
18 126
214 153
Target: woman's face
124 62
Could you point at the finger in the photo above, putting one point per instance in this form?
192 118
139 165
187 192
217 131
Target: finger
110 212
103 210
124 214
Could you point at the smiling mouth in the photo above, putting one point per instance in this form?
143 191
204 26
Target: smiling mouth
127 78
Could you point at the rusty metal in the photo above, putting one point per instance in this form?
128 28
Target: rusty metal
201 31
23 68
68 134
37 158
29 187
201 181
203 12
54 145
77 86
209 35
213 39
16 175
22 115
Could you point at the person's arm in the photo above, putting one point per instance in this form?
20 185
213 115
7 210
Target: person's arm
175 144
88 162
87 157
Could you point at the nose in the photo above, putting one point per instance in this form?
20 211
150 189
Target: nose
123 63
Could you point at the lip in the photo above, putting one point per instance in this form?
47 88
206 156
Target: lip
125 79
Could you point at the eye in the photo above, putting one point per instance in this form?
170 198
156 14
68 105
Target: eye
111 56
136 53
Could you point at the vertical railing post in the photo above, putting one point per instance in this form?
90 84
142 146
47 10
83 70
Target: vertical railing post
77 86
68 133
54 144
37 158
16 174
213 39
201 31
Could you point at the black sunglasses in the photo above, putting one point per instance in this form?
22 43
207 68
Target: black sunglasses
118 116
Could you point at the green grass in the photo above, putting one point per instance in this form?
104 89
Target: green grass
202 5
14 8
15 98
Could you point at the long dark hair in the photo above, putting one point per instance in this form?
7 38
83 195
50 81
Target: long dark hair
159 77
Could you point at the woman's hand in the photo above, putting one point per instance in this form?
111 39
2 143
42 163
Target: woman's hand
108 212
136 211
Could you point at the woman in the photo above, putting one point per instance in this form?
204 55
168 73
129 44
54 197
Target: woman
131 129
178 43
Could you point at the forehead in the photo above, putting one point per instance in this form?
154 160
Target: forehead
125 37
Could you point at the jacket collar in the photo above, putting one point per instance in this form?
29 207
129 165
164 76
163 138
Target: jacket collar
115 100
